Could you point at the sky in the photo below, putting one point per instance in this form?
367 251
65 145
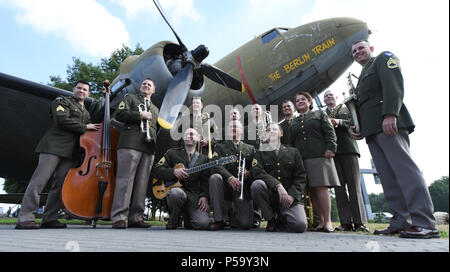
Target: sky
40 39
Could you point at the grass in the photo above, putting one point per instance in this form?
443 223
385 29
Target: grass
443 229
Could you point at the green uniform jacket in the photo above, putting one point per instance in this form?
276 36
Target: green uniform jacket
227 148
131 135
285 124
196 185
69 122
187 121
381 92
312 134
345 143
286 169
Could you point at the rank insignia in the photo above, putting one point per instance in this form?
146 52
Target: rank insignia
254 162
162 161
60 108
392 63
122 105
388 54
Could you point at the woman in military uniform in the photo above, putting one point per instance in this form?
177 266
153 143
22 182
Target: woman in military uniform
313 135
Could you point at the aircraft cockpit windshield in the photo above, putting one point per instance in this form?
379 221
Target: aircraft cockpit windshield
273 34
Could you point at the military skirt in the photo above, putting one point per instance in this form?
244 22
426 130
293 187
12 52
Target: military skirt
321 172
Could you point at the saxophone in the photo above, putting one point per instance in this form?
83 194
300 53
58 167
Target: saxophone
351 101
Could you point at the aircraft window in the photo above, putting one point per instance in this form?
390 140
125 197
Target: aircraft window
270 36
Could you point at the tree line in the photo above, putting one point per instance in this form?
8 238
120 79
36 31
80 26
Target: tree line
109 68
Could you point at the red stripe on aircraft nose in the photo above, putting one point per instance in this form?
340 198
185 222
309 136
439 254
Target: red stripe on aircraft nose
244 80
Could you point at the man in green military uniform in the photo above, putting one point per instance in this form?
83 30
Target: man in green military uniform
386 124
289 113
202 123
192 197
350 204
279 184
135 156
225 184
57 152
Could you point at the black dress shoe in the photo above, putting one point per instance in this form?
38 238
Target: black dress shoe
53 225
27 225
271 225
344 227
216 226
171 226
316 229
140 225
388 231
121 224
420 233
256 224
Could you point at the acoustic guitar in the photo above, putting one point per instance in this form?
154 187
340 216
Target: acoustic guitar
161 187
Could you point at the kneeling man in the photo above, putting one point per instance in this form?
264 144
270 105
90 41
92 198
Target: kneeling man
225 185
192 196
279 185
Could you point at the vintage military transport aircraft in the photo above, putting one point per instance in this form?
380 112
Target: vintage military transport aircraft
266 70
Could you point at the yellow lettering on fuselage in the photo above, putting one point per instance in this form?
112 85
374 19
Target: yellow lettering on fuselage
320 48
304 58
297 62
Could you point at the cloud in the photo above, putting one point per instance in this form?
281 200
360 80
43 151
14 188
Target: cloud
85 24
178 9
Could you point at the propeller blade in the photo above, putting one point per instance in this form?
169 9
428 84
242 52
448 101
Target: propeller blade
161 11
175 96
219 76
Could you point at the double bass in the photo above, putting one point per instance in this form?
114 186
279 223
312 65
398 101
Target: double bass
88 190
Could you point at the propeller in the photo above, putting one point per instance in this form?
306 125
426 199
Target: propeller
179 86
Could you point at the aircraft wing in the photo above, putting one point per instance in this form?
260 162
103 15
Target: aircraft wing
17 199
24 118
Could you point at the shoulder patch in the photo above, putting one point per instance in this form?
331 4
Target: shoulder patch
388 54
393 63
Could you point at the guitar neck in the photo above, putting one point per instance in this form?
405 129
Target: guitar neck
202 167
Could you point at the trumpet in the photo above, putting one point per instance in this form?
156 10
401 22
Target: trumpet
145 125
241 173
